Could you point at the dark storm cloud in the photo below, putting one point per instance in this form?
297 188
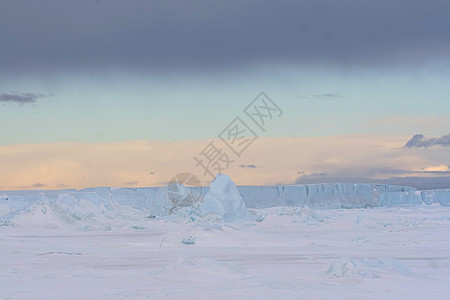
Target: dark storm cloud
420 141
20 98
41 35
421 183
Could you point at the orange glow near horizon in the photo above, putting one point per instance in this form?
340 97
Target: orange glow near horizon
148 163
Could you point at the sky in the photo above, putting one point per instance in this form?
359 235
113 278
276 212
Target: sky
130 93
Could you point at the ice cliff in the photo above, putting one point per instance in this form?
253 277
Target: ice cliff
225 195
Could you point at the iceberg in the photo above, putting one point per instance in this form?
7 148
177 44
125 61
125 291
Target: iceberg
161 205
401 198
323 196
436 196
224 199
428 197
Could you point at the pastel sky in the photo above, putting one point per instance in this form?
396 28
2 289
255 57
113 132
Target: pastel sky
127 93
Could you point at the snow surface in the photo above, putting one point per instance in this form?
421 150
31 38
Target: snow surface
106 243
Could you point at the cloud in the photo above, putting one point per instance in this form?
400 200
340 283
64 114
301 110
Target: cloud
32 186
154 172
192 34
134 182
366 174
38 185
420 141
419 182
438 177
248 166
440 168
329 95
20 98
323 96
